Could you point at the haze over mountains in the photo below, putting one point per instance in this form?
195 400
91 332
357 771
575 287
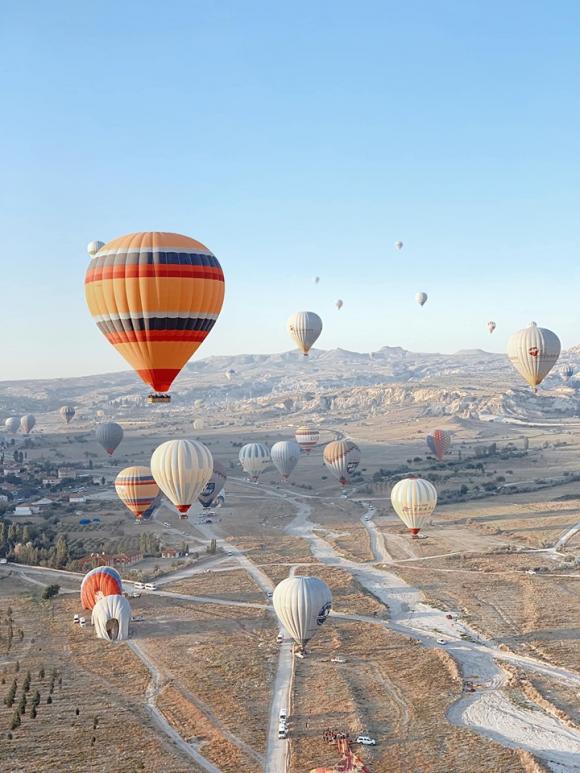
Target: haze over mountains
469 384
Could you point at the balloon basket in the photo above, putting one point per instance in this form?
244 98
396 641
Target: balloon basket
155 398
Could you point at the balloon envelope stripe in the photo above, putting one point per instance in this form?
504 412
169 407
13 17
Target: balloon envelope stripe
157 270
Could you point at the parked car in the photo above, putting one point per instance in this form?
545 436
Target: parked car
139 585
338 660
150 586
75 619
279 638
283 715
441 641
366 740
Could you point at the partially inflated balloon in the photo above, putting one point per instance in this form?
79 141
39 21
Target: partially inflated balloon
533 351
285 456
98 583
155 296
302 605
27 423
136 488
342 457
109 435
304 328
307 437
439 442
254 458
414 499
12 424
67 412
214 486
181 469
491 326
421 298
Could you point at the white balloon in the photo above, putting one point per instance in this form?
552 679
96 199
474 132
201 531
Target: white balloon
254 458
307 437
421 298
111 616
414 500
304 328
285 456
302 605
399 245
181 469
94 247
533 351
342 457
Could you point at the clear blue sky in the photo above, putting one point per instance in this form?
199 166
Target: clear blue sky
294 139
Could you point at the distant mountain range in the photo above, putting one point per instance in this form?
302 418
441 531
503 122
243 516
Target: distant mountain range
468 383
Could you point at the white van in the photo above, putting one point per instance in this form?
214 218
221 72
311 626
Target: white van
75 619
283 715
139 585
150 586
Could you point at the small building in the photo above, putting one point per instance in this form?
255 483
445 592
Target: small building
77 500
26 510
43 504
169 553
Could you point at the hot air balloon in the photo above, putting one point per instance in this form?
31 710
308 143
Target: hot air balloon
307 437
67 412
533 351
111 616
12 424
439 442
339 304
399 246
27 422
136 488
214 485
198 424
155 296
567 373
302 605
342 457
197 404
94 247
421 298
316 280
491 326
254 458
285 456
181 469
304 328
109 435
414 499
100 582
230 373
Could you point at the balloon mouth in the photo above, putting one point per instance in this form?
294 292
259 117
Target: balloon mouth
183 508
415 533
110 451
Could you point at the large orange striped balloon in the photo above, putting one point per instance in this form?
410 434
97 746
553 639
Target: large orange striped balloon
136 488
155 296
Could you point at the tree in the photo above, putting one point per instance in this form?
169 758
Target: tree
41 672
36 698
26 683
22 704
62 553
15 720
9 699
50 591
33 712
49 700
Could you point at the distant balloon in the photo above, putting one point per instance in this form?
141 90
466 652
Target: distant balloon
339 304
439 442
136 488
307 437
214 486
181 469
67 412
109 435
491 326
94 247
155 297
302 605
421 298
285 456
98 583
198 425
533 351
399 245
12 424
414 500
316 280
342 457
567 373
27 423
304 328
230 373
254 458
197 404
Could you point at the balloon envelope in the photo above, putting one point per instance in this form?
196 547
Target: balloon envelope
399 245
94 247
304 328
302 605
214 486
439 442
307 436
155 297
414 499
12 424
181 469
533 351
254 458
136 488
109 435
27 422
285 456
67 412
339 304
342 457
491 326
111 616
421 298
99 582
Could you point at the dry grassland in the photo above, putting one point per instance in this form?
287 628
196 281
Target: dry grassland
236 585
